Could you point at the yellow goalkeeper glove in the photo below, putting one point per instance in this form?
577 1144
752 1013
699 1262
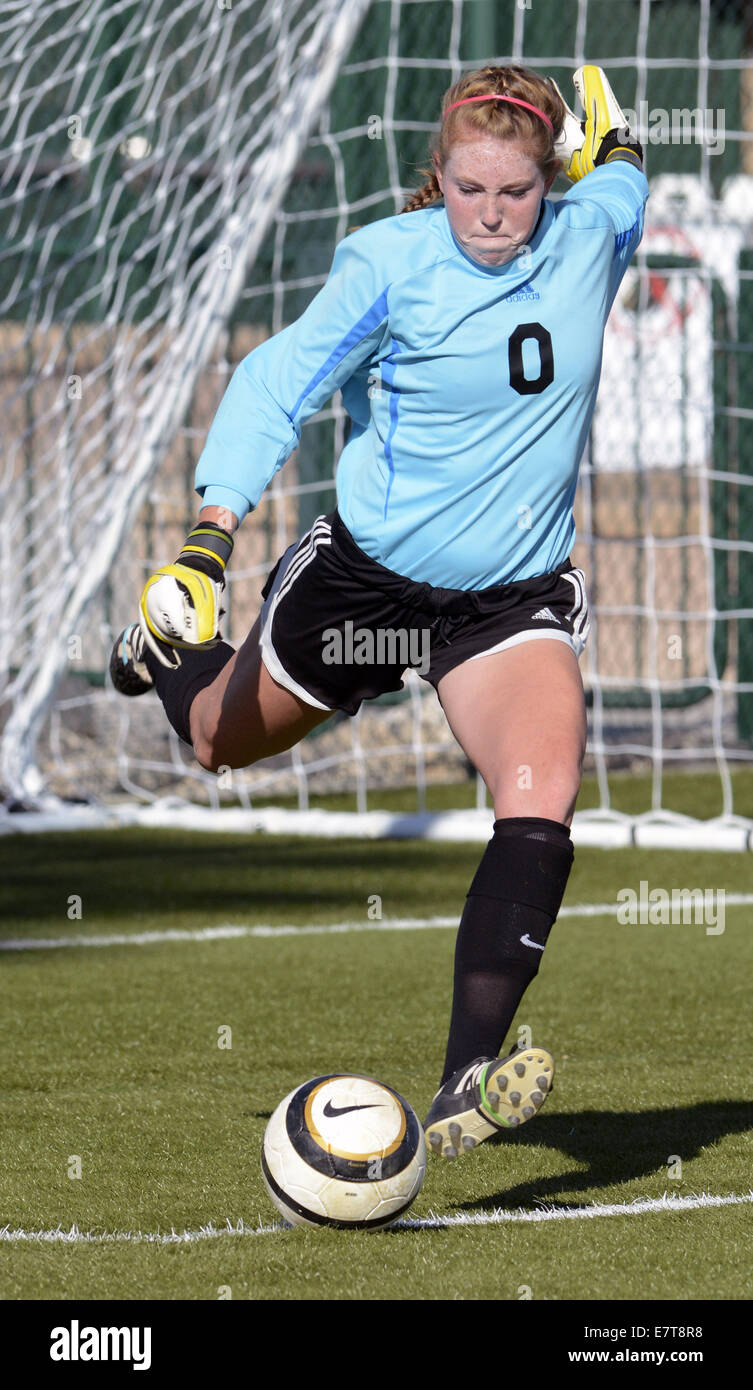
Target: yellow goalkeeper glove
180 604
603 136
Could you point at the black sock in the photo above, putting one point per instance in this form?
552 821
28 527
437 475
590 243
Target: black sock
485 1000
529 858
177 689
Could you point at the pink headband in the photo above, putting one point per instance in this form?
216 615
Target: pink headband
494 97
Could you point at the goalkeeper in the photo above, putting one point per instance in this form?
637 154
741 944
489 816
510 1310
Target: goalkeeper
465 334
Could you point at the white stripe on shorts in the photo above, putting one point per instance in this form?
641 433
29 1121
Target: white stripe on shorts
320 534
578 614
529 635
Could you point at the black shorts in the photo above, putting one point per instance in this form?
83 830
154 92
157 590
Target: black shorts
338 627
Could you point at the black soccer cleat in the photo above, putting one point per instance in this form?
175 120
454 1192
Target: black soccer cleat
128 670
490 1094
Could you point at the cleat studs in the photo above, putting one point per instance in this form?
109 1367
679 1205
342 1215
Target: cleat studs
493 1099
435 1141
528 1111
502 1082
536 1097
468 1141
519 1069
514 1120
542 1082
455 1133
450 1151
514 1097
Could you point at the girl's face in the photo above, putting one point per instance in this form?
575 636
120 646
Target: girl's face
492 193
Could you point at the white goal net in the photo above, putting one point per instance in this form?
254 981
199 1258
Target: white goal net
174 177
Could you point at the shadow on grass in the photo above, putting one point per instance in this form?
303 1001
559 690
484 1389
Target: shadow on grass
126 874
615 1147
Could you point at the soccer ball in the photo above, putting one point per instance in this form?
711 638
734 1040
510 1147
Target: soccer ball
343 1151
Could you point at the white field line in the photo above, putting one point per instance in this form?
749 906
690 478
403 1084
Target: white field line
228 932
498 1217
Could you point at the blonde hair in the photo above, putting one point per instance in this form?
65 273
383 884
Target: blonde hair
501 119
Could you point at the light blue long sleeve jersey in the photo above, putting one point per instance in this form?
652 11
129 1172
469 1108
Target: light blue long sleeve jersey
470 388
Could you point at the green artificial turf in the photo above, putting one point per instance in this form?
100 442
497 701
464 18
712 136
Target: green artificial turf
112 1061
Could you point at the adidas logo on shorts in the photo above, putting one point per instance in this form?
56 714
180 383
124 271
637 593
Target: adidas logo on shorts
547 614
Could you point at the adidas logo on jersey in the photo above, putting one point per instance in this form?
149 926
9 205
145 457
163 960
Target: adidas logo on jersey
525 292
547 614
